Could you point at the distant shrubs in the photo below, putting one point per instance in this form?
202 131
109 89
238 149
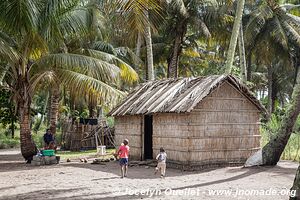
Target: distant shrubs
7 142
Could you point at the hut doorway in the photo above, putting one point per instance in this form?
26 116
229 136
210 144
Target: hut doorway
148 132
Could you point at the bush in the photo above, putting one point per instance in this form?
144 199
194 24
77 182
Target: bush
7 142
270 129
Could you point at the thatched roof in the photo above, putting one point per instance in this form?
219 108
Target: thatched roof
176 95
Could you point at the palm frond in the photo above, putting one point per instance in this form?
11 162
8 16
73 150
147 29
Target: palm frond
126 52
291 33
7 52
95 19
292 19
127 73
179 6
256 23
73 22
60 19
34 46
104 47
278 33
18 15
84 84
136 13
201 27
3 71
89 66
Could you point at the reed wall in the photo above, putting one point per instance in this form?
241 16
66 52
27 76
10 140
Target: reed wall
170 131
130 127
224 127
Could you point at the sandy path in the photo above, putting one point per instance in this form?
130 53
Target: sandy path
85 181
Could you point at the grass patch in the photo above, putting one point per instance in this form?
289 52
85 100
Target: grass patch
82 154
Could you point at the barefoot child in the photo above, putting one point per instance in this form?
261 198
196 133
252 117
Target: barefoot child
123 154
161 158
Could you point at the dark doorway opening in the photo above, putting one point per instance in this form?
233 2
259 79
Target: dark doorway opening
148 132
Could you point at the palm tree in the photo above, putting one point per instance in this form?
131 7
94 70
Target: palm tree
32 29
185 13
283 30
242 53
234 36
268 39
137 13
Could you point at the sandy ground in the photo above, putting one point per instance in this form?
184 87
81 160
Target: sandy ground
75 180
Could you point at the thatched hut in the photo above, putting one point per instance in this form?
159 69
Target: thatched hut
203 121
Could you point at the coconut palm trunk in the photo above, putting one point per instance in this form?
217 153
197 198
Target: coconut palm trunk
173 60
148 38
28 148
270 90
296 186
234 35
54 109
249 63
138 45
243 64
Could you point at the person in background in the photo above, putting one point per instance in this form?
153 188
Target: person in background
48 138
123 153
161 165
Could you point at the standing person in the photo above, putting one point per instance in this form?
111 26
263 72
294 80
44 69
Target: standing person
123 153
48 138
161 158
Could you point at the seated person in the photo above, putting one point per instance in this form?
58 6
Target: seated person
52 145
48 138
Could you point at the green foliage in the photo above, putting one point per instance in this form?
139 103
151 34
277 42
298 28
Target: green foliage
270 129
292 149
7 109
110 121
8 142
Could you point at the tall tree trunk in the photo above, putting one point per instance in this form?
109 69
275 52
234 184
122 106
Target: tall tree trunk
243 64
148 38
249 67
272 151
234 35
138 51
274 94
138 45
270 83
28 148
91 111
296 186
173 59
92 103
54 108
48 111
